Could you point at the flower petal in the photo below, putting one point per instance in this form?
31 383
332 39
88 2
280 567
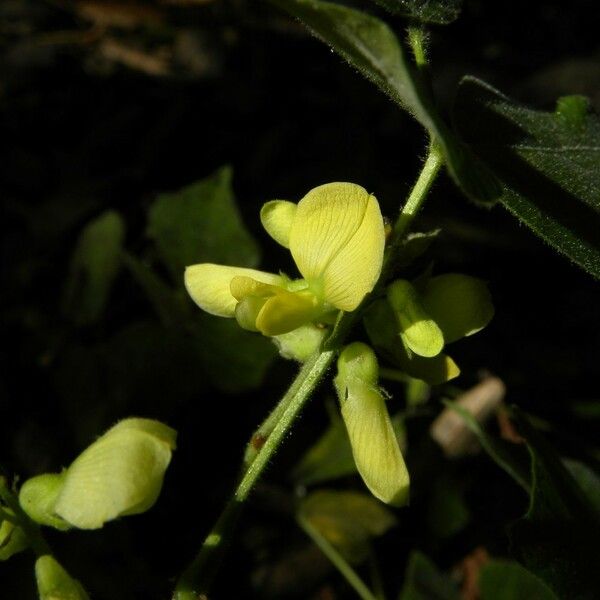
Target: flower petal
337 240
287 311
418 330
209 286
277 217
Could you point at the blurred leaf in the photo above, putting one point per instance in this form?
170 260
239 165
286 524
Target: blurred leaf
506 455
557 539
414 245
506 580
329 458
548 164
201 223
370 46
447 513
170 306
423 581
94 266
460 304
348 520
587 479
233 359
428 11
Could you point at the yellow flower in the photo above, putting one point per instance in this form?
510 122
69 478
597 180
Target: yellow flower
336 237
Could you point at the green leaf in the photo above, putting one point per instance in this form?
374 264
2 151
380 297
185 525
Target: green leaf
506 455
461 305
557 539
370 46
233 359
447 512
201 223
587 479
423 581
170 307
507 580
348 520
329 458
428 11
414 245
548 163
94 266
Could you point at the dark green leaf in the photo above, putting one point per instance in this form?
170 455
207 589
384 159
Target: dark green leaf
447 513
170 306
329 458
557 538
423 581
504 454
201 223
234 359
94 266
428 11
506 580
548 163
370 46
348 520
587 479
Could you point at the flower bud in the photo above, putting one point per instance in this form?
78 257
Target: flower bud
120 474
418 330
12 538
54 583
372 437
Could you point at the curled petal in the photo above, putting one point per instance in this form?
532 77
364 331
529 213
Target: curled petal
209 286
277 217
337 240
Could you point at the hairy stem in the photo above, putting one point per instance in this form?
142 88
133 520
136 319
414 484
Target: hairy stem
197 578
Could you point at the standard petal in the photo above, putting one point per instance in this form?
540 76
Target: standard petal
208 285
337 241
277 217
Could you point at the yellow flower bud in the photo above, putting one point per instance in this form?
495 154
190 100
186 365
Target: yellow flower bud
418 330
372 438
54 583
12 538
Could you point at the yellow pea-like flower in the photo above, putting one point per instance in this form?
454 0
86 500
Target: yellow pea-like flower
336 237
120 474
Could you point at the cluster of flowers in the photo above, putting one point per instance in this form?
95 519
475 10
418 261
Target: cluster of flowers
336 236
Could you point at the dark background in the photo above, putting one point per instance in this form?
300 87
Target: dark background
84 128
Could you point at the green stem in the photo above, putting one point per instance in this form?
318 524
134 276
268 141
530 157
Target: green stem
431 167
338 560
31 529
417 38
197 578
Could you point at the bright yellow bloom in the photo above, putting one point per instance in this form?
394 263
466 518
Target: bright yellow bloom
336 237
